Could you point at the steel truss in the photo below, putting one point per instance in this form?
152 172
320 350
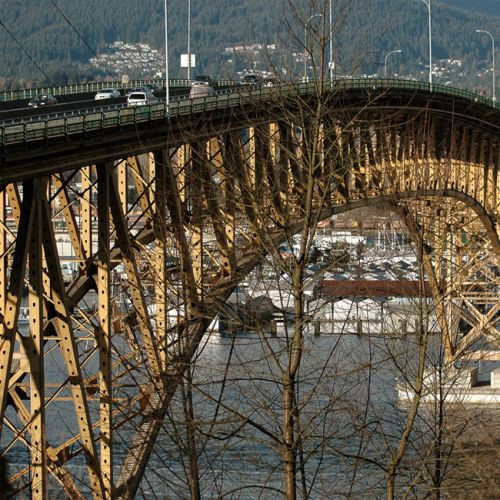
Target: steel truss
154 244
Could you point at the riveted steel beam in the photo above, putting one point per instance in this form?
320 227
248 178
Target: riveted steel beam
124 242
70 218
61 318
35 351
104 329
8 327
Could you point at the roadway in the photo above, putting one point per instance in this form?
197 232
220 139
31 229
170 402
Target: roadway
54 142
18 111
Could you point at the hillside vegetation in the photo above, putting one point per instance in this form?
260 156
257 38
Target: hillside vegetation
483 6
49 46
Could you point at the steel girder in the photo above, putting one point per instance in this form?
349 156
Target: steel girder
126 263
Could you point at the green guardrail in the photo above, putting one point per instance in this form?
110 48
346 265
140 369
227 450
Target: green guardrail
386 83
14 95
56 127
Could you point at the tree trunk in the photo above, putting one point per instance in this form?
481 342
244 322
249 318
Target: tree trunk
289 454
193 476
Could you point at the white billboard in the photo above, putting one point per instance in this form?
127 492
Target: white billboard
185 59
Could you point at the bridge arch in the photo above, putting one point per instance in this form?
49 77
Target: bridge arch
391 201
132 195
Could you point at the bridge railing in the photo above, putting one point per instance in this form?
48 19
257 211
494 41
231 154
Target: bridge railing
97 108
67 125
386 83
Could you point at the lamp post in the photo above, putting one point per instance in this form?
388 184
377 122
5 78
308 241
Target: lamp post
167 89
305 43
398 51
428 4
189 40
330 62
493 57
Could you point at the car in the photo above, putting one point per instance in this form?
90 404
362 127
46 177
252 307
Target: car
251 80
157 91
202 80
141 98
136 89
107 94
42 100
269 82
200 91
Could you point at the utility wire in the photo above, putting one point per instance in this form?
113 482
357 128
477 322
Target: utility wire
73 27
80 36
26 53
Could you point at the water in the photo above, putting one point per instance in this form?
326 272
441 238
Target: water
350 421
350 418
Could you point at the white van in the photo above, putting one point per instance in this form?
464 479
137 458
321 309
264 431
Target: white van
200 91
141 98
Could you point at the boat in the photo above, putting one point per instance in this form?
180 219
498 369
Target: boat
454 386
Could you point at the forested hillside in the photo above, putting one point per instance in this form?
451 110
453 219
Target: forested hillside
48 45
484 6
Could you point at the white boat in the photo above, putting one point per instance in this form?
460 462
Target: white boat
454 386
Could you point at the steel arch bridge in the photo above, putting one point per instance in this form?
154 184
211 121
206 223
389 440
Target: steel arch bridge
173 207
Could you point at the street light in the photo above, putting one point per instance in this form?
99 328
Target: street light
167 89
428 4
330 62
493 48
305 43
189 40
398 51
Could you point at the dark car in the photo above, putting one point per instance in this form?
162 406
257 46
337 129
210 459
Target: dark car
202 80
151 87
137 89
251 80
42 100
157 91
